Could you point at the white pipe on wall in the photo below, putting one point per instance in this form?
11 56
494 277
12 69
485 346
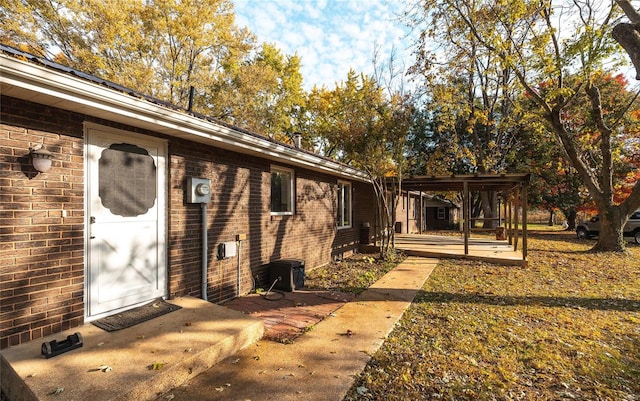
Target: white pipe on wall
239 267
204 250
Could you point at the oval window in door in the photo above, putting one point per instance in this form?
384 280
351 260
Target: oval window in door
127 180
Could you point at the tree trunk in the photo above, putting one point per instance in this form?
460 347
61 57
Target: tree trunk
476 207
611 237
628 35
571 216
488 205
550 223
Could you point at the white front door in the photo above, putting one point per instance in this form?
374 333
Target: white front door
125 220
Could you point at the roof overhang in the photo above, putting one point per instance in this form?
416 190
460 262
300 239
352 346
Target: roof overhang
474 182
39 84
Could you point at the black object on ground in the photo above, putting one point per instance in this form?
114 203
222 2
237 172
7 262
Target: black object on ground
53 348
289 274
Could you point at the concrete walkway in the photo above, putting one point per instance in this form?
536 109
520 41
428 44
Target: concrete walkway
322 363
136 363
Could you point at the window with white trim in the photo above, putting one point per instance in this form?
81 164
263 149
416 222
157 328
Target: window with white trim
441 213
344 205
282 191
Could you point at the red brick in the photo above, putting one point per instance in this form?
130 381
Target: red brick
47 250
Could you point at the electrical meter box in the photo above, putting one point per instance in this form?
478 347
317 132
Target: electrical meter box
198 190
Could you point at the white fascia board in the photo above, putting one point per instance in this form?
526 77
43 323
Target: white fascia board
87 97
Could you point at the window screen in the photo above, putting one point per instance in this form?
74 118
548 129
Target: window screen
281 191
127 180
344 205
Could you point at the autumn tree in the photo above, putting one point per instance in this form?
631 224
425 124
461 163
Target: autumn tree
360 124
262 93
470 95
161 48
564 60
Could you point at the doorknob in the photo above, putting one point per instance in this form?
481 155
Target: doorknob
92 220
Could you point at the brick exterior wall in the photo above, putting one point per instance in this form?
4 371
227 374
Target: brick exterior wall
240 205
41 252
408 214
42 259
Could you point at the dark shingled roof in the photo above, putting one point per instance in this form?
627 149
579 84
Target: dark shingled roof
19 54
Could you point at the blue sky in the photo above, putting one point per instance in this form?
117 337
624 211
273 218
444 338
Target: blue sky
330 36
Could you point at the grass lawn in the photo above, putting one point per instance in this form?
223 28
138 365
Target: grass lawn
565 327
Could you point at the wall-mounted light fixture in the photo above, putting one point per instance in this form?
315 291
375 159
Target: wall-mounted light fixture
41 158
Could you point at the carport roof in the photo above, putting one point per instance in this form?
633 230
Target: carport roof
474 182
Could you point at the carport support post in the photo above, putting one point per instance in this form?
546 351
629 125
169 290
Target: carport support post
465 215
525 205
420 215
510 217
515 222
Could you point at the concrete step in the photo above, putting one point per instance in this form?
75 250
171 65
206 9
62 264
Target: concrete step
180 344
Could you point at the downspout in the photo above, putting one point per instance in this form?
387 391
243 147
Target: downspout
408 206
239 243
203 206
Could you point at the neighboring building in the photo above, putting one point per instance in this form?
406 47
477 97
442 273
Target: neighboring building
417 212
440 214
111 226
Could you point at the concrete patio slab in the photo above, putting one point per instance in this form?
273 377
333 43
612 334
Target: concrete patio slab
322 363
481 249
120 365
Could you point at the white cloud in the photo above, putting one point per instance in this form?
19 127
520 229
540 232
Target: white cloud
329 36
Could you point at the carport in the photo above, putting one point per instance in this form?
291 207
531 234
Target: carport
512 189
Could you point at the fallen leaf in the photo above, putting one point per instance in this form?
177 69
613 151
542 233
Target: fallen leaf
58 390
105 368
157 366
362 390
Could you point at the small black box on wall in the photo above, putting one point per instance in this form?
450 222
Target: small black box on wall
289 273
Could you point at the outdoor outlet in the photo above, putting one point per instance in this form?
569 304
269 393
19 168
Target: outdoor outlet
241 237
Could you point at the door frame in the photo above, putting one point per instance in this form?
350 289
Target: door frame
163 212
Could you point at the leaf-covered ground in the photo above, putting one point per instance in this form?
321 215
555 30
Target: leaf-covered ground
353 275
566 327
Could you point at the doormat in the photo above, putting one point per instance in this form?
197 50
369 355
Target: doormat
135 316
